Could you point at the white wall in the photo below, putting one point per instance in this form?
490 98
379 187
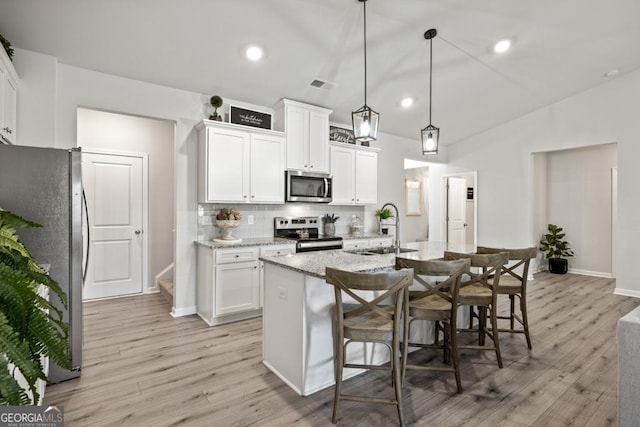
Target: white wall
417 226
579 200
502 157
131 134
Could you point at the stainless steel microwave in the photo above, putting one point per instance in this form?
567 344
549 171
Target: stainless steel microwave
308 187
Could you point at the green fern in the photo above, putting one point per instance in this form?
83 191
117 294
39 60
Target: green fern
30 326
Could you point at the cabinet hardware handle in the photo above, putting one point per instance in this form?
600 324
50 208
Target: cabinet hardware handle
311 166
245 196
305 166
255 266
138 231
253 196
237 256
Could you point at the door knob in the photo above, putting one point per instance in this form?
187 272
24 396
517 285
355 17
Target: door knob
138 231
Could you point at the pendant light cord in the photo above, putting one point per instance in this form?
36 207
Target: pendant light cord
430 74
365 52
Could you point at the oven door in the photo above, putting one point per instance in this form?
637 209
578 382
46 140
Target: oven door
308 187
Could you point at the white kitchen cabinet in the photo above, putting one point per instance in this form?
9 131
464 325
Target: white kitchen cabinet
239 165
8 99
230 281
377 242
355 175
237 287
307 135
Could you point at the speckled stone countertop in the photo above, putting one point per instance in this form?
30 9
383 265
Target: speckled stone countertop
260 241
315 263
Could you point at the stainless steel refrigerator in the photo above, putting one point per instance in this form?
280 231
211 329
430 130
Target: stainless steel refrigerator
45 185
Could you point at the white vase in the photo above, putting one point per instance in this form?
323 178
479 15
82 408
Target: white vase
329 229
226 227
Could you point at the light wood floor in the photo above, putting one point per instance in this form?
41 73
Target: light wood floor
144 368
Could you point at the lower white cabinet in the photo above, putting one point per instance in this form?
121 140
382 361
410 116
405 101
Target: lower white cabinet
353 244
230 281
237 287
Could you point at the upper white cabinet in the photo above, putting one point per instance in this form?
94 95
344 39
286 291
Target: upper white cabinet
8 98
355 175
307 133
239 165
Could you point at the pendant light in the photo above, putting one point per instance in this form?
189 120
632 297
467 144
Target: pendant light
365 120
430 133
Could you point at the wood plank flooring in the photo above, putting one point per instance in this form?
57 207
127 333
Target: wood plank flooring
144 368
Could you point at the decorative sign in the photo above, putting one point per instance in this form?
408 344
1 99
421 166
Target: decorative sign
469 193
341 135
256 119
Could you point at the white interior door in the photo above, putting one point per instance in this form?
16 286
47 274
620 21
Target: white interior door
114 188
456 210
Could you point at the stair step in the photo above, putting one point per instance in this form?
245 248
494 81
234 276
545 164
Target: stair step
166 289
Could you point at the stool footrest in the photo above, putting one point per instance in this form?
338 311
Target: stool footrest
368 399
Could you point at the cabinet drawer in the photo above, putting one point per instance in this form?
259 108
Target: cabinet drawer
348 245
225 256
383 242
277 250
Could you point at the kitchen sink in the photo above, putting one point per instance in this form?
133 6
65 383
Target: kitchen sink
381 251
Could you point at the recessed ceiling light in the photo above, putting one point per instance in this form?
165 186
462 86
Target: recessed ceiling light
406 102
613 72
502 46
254 52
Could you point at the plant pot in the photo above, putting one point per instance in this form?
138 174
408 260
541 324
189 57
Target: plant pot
329 229
558 265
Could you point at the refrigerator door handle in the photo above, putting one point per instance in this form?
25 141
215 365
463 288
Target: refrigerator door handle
88 228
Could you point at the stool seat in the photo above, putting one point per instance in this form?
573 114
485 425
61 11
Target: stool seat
509 285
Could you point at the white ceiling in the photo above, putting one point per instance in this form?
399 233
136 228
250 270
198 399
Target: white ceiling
561 47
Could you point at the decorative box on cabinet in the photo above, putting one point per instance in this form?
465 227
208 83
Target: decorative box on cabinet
307 134
239 165
355 175
8 99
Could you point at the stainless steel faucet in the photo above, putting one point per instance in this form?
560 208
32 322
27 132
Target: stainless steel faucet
397 244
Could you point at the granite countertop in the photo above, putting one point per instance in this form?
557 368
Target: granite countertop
315 263
255 241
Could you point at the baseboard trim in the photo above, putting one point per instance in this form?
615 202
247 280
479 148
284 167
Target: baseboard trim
626 293
185 311
591 273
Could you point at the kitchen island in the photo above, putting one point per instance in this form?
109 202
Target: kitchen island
297 313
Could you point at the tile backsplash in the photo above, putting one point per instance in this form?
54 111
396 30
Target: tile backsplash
263 217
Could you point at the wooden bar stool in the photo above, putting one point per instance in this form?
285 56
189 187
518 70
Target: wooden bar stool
437 302
481 291
374 318
514 284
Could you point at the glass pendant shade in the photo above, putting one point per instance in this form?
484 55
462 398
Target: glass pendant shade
365 124
430 136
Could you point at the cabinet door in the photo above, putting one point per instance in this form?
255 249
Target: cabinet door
267 169
237 287
318 142
297 130
227 165
366 177
9 121
342 169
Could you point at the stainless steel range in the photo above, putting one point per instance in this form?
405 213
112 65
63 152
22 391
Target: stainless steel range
305 231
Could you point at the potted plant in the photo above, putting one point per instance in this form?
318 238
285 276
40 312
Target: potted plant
329 221
383 214
30 326
556 249
216 102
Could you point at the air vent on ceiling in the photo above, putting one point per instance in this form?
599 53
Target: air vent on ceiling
323 84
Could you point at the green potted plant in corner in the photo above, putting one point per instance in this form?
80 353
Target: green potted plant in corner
383 214
329 222
30 326
216 102
556 249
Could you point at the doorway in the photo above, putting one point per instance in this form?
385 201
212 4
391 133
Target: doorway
154 139
460 208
